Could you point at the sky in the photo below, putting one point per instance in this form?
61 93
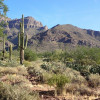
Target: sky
81 13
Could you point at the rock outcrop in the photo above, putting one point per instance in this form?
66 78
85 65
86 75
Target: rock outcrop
29 22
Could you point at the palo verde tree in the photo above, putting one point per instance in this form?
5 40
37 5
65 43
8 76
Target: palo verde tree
3 11
21 45
3 8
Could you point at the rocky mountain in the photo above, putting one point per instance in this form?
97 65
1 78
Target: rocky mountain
60 36
32 27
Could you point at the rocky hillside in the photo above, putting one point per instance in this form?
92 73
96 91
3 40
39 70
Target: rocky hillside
32 27
62 35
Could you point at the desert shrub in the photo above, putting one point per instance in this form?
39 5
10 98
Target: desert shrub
34 72
77 89
58 81
47 54
8 70
95 69
55 67
85 90
83 69
15 79
42 75
15 53
60 68
30 55
8 63
9 92
74 76
94 80
27 63
20 70
52 56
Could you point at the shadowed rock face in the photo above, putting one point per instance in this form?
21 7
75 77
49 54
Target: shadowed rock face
65 34
29 22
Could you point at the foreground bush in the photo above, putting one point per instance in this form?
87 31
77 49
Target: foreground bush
77 89
58 81
94 80
20 70
30 55
9 92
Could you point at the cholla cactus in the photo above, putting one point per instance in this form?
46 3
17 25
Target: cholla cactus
21 40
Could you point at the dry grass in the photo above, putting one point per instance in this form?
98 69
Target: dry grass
21 70
94 80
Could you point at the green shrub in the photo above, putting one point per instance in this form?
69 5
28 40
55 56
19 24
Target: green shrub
83 69
30 55
95 69
75 76
58 81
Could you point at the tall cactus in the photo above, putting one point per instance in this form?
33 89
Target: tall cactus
21 41
3 46
10 52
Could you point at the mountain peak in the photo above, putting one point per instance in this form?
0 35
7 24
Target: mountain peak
29 22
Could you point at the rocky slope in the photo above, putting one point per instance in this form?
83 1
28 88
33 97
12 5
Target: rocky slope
62 35
32 27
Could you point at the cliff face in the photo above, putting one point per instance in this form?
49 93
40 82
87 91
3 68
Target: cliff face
32 27
29 22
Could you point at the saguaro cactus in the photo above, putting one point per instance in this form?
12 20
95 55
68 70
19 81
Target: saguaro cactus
21 41
3 46
10 52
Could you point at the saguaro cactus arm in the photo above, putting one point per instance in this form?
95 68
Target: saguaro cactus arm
3 46
26 40
10 52
23 31
18 40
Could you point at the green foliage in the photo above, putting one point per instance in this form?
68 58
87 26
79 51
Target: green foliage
3 7
58 80
83 59
83 69
30 55
80 55
95 69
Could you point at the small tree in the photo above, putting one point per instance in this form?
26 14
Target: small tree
3 8
59 81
